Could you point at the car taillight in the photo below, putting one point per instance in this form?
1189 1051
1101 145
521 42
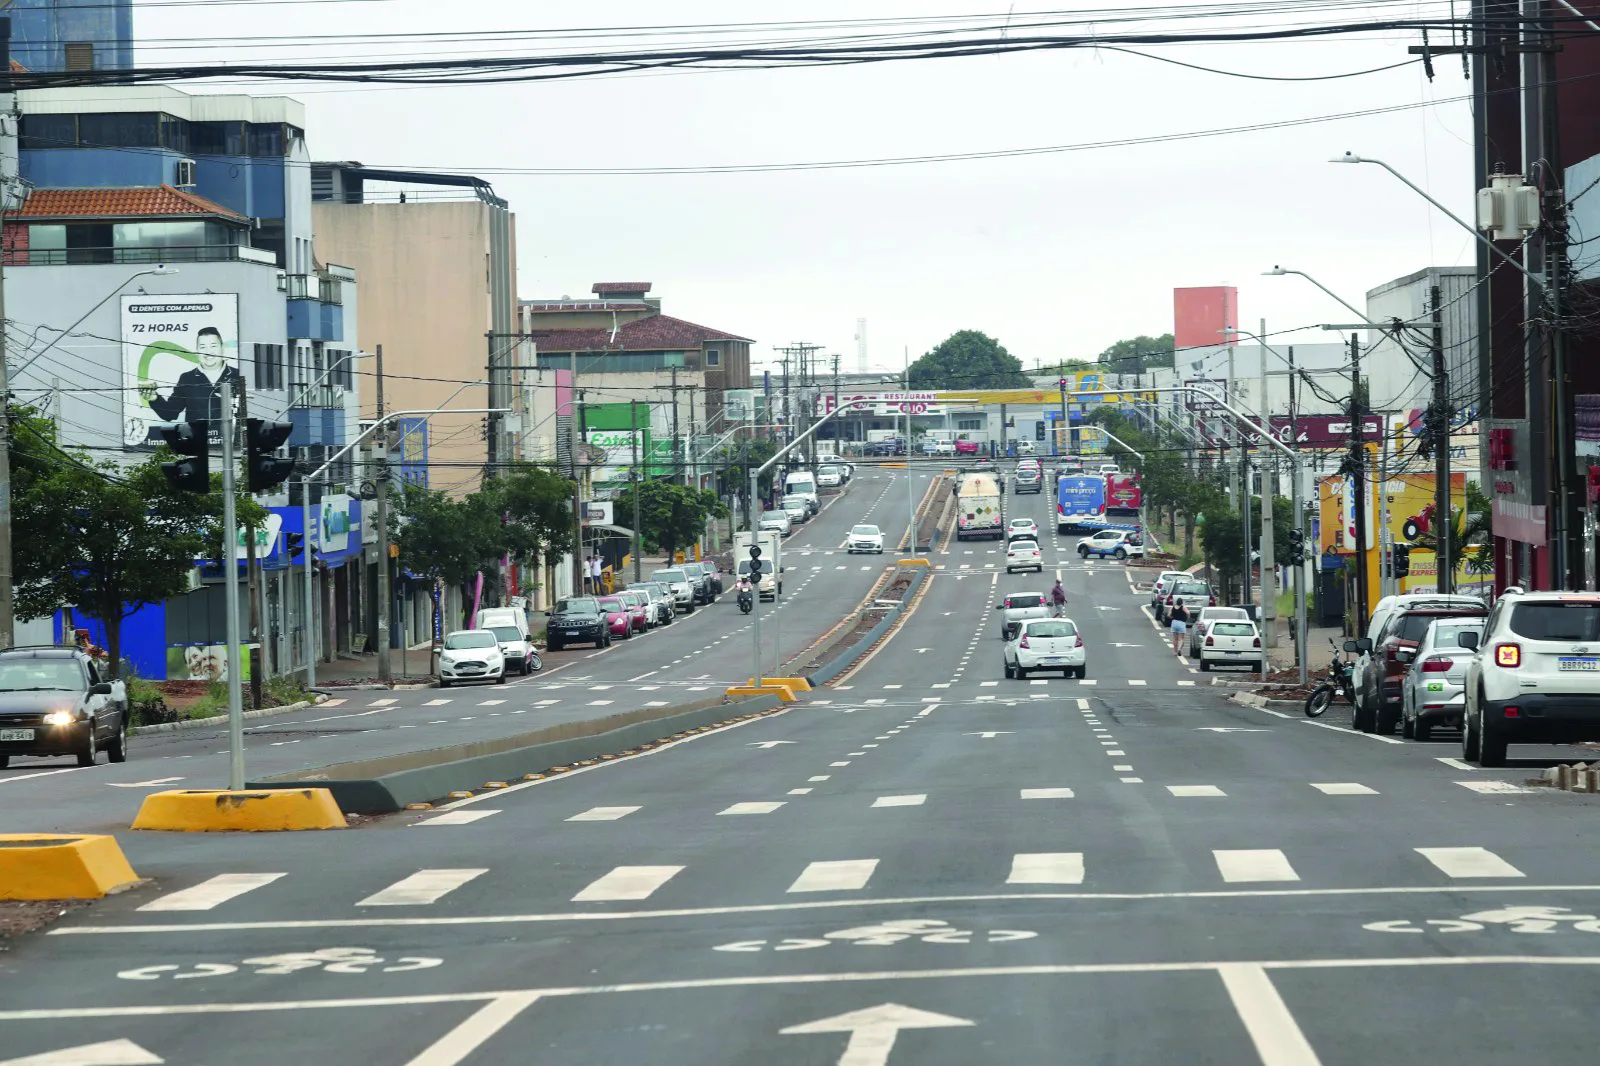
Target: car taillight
1508 654
1211 642
1077 641
1436 666
1024 642
1213 602
1256 643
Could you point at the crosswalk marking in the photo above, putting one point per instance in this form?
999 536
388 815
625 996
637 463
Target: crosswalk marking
1493 788
1046 793
210 892
491 703
753 808
1347 788
339 703
1469 862
1047 868
422 887
458 818
430 703
799 792
842 876
627 882
1136 681
901 801
602 814
383 702
1191 790
1189 684
1266 864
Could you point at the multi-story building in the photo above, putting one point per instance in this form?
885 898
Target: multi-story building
164 245
49 35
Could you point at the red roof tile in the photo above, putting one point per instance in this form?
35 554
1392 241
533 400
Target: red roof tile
656 333
143 202
601 288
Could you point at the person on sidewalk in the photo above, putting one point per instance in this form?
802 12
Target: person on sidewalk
1180 627
595 569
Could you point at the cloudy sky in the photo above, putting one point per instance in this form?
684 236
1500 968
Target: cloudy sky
1056 254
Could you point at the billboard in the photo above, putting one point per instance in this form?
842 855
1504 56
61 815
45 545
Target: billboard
887 403
739 406
176 353
1324 431
617 448
1199 316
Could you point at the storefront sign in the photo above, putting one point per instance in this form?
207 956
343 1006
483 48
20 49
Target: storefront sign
338 518
1323 431
176 353
597 513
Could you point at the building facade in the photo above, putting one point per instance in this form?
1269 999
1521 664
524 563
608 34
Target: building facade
48 35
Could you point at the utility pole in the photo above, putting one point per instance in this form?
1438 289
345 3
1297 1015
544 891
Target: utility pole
1245 478
252 571
1440 425
677 455
579 567
8 183
638 481
1356 464
1269 490
381 450
230 592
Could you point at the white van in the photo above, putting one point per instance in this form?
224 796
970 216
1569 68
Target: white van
510 627
802 483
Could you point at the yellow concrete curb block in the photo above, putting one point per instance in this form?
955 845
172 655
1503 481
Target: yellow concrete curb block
61 866
783 692
794 684
269 810
915 562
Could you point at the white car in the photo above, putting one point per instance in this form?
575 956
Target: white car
1019 607
865 539
780 522
945 447
1022 529
1232 642
798 508
829 479
1204 620
1046 644
471 655
1025 447
1023 555
1164 584
1534 677
1431 693
682 587
1117 543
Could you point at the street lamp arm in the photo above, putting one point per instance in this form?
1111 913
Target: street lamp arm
1136 453
160 270
1278 271
818 424
370 430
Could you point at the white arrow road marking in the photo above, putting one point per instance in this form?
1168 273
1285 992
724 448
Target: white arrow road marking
920 651
1229 729
873 1030
109 1053
768 744
991 734
1101 607
152 783
1117 644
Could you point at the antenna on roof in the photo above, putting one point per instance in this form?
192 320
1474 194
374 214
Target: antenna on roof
613 328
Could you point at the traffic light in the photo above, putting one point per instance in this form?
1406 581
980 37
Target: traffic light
1297 547
263 469
1401 560
292 544
192 439
1038 431
755 560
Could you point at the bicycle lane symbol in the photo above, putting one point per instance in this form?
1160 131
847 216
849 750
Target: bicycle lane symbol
885 934
1519 919
328 960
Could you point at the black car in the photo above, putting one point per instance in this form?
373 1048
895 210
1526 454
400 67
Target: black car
54 702
578 620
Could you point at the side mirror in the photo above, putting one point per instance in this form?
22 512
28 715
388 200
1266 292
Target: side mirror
1364 645
1469 640
998 606
102 689
1350 646
1405 655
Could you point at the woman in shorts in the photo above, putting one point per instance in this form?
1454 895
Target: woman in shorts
1180 627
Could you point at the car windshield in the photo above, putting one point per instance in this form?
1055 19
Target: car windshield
1234 629
1414 627
578 605
1024 600
775 516
22 675
476 639
506 634
791 503
669 575
1022 523
1556 621
611 603
1054 628
864 531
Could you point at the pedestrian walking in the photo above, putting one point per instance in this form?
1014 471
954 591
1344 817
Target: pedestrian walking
1180 627
595 568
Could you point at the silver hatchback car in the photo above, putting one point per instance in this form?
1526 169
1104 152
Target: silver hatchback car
1433 692
1018 607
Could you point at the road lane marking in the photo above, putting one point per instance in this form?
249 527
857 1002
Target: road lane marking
1112 751
1347 732
819 777
1047 868
1264 864
47 773
901 801
847 875
1123 769
455 1046
1347 788
1047 793
846 762
1492 787
627 882
602 814
1469 862
799 792
1194 790
1083 704
209 893
422 887
430 703
461 817
766 807
1273 1030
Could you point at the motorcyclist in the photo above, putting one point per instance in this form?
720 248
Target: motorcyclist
1058 599
744 589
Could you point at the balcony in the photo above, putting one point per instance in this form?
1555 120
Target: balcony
207 253
333 397
326 290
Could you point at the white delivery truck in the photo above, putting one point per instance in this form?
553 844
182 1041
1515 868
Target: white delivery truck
803 483
771 560
978 510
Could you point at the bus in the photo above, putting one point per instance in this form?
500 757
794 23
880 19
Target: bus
1080 502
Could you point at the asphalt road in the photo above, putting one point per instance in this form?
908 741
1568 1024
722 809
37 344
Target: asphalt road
694 658
925 863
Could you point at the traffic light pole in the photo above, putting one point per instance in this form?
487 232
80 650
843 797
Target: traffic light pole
230 585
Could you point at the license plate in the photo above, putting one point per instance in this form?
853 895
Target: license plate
573 632
1589 663
16 734
1232 652
1051 659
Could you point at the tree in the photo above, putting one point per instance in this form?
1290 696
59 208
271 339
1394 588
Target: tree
1469 533
537 507
1135 355
670 516
105 539
446 539
968 360
749 455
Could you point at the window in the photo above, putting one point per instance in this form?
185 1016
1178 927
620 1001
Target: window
217 138
343 364
49 131
265 139
270 370
132 129
89 243
713 357
1556 621
969 423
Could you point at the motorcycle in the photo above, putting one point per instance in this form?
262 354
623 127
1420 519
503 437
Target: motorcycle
746 597
1338 683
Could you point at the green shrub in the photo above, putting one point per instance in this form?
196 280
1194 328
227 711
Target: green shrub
282 691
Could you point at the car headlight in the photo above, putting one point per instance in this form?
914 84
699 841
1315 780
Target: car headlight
447 658
60 718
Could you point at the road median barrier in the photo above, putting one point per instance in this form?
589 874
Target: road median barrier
766 688
388 784
914 562
255 810
872 622
36 866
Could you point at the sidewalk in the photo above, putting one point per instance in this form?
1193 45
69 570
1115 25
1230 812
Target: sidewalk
1317 638
353 668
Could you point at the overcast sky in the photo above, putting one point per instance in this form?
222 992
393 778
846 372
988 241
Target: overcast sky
1056 255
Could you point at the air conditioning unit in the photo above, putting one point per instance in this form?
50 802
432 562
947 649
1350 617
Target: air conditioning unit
185 174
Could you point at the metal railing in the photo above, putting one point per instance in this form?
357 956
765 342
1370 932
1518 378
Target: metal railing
204 253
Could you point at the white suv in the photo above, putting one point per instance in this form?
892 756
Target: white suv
1535 674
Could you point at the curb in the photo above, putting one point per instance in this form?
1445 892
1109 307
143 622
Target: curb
204 811
217 719
37 866
1250 699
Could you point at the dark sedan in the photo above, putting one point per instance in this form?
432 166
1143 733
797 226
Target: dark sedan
53 702
579 620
